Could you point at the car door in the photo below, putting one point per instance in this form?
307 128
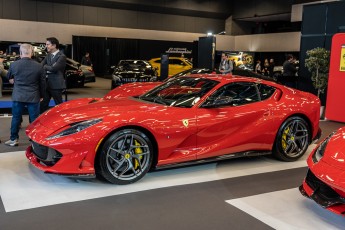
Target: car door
233 119
177 135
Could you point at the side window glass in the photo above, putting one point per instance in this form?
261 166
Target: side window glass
265 91
234 94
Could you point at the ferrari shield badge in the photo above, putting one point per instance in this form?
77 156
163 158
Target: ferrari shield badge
185 122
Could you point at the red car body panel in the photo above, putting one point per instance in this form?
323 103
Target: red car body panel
131 89
330 169
209 133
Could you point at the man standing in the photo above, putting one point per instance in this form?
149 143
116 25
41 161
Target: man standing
225 65
29 86
86 60
54 66
289 72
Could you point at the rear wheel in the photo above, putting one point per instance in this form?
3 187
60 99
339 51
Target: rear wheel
125 157
292 139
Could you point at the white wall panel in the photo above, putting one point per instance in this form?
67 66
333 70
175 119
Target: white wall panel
37 32
276 42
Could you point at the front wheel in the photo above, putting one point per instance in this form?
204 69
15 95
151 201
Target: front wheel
292 139
125 157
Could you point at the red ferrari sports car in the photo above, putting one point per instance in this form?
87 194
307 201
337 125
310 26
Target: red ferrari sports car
187 120
325 180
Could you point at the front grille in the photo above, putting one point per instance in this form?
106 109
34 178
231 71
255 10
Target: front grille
40 151
323 194
132 79
46 156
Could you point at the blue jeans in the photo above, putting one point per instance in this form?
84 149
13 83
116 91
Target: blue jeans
17 112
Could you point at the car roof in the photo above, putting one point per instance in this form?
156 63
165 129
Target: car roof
231 78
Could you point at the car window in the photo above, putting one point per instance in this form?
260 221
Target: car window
234 94
173 62
180 92
265 91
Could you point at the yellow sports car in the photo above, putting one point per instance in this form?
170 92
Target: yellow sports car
241 58
176 65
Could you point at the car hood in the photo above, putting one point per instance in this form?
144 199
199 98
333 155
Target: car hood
87 109
131 89
335 151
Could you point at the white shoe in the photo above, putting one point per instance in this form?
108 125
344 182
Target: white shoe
12 143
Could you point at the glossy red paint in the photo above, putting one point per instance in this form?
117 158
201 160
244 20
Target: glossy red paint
131 89
329 171
181 134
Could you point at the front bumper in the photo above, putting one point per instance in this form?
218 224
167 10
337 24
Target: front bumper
323 194
71 165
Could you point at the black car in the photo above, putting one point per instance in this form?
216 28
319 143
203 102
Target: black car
77 74
128 71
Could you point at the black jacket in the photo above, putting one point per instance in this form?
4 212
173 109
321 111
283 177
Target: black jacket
29 80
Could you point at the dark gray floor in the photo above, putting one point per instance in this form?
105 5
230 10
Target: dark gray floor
196 206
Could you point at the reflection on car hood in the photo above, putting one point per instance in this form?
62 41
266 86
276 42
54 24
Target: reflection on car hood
131 89
335 151
85 109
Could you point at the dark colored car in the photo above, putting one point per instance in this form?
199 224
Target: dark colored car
128 71
77 74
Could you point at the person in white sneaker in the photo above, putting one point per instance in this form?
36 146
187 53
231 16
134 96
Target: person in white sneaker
29 81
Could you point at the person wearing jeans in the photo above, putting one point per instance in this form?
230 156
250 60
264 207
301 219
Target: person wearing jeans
29 81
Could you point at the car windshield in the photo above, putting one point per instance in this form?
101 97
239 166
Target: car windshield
186 60
133 64
180 92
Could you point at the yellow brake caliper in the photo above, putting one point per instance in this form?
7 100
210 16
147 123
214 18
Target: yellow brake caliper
137 150
284 137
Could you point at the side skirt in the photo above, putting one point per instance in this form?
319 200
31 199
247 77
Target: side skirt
213 159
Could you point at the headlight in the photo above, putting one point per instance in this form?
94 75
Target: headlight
75 128
319 152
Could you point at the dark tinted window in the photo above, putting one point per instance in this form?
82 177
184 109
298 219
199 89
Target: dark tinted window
265 91
239 93
176 62
180 92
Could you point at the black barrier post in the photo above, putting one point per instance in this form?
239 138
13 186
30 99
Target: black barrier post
164 67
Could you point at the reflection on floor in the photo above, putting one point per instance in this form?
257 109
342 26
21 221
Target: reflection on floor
25 187
287 209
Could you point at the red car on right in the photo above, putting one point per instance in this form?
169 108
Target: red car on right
325 180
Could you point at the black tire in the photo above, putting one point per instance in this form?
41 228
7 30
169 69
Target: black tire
292 139
125 157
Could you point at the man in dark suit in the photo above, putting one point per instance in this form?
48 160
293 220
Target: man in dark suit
289 72
54 66
29 87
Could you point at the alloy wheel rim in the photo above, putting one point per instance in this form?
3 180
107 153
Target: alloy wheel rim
295 139
128 157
